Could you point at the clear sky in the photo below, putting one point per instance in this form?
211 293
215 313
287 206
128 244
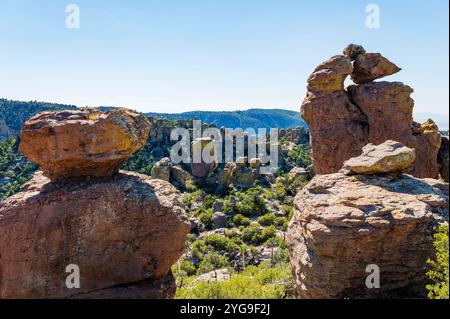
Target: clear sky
180 55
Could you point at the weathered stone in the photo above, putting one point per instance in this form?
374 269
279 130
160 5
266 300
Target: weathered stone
179 177
85 142
329 76
444 158
338 128
344 223
371 66
352 51
123 231
215 275
298 173
219 220
427 143
162 169
389 157
388 107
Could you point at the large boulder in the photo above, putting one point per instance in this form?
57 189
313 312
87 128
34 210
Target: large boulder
371 66
338 128
123 231
389 157
85 142
343 225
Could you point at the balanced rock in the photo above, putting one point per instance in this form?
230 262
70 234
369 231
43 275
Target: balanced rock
344 225
338 128
389 157
352 51
85 142
371 66
124 232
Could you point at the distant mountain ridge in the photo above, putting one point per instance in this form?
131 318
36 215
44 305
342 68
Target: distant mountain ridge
252 118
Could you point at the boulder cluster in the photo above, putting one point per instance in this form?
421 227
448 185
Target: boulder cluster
343 120
122 230
369 213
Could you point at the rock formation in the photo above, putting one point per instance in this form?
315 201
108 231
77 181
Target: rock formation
344 223
342 121
124 231
86 142
338 128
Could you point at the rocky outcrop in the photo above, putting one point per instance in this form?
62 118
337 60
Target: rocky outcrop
389 157
338 128
123 231
342 121
120 230
344 224
202 168
444 158
86 142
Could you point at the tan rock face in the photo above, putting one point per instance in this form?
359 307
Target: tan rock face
389 157
123 231
427 143
372 66
338 129
388 106
343 223
85 142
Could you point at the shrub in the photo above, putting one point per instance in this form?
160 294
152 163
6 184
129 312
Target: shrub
267 219
212 261
241 220
206 218
438 273
268 233
253 234
262 282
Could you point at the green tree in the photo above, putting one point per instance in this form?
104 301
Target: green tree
438 273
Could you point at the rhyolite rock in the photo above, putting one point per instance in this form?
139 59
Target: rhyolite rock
371 66
427 143
352 51
389 157
342 121
84 142
342 224
123 231
338 129
161 169
388 107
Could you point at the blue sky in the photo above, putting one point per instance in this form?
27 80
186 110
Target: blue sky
180 55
